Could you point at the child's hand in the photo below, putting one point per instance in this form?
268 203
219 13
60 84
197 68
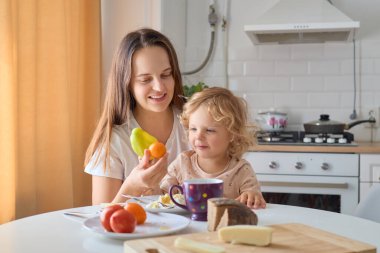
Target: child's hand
253 199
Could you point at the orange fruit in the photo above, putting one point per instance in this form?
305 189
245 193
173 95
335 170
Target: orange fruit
137 211
157 149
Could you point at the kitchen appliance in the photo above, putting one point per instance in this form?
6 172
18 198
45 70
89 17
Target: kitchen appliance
293 237
305 139
300 21
326 126
272 121
326 181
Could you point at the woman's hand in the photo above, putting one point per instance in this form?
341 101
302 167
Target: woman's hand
253 199
144 178
150 172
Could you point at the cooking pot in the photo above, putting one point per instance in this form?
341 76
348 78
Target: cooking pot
326 126
272 121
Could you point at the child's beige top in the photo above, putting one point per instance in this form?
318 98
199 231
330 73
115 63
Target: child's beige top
238 175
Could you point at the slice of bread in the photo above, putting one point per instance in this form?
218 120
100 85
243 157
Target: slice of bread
223 212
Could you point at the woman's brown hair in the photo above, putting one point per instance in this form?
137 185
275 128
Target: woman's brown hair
119 102
226 108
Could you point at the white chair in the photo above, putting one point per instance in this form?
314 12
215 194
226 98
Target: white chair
369 207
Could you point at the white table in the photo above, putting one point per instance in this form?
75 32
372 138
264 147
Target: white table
54 232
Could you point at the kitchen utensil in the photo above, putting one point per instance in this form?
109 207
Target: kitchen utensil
272 121
138 199
82 214
326 126
197 191
286 238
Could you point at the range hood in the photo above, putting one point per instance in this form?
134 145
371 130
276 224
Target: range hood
302 21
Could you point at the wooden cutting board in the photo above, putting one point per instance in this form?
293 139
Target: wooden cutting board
291 237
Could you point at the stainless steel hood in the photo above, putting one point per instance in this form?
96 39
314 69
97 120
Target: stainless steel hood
302 21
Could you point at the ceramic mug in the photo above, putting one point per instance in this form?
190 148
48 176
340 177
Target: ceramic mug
196 192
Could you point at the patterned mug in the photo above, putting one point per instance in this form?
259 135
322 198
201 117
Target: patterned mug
196 192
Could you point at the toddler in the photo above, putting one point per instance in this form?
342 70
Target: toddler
216 122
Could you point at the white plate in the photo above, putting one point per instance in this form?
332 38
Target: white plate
156 224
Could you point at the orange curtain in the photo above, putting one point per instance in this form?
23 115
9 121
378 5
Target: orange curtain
49 103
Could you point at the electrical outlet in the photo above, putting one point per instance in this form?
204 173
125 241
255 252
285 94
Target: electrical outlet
372 113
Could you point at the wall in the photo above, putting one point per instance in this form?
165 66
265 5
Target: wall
120 17
303 80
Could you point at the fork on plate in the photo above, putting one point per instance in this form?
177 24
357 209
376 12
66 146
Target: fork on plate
145 202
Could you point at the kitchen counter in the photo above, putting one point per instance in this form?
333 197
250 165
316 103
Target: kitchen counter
362 148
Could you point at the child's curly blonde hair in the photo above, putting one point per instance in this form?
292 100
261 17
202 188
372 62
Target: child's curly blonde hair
226 108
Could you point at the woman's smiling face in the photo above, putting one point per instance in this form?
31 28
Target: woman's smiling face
152 83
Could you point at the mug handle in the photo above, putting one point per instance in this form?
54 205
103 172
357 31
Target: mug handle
171 195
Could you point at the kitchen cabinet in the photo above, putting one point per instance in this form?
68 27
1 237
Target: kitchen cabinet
369 172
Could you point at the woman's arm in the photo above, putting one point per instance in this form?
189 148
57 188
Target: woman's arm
104 189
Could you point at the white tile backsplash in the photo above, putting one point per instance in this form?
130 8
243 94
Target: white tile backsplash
376 68
370 49
339 83
307 83
306 51
274 83
302 80
370 83
366 66
243 53
338 51
253 68
290 68
235 69
324 100
324 67
244 84
260 100
347 67
290 100
274 52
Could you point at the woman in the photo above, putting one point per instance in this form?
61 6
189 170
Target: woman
143 90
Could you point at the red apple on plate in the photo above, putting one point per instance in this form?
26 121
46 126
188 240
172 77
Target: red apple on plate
123 221
105 216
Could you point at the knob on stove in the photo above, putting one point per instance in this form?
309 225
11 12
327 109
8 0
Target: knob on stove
318 140
342 140
306 139
330 140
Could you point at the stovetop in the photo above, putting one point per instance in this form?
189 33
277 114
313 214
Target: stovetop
305 139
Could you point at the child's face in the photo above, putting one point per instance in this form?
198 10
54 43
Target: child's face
208 138
152 82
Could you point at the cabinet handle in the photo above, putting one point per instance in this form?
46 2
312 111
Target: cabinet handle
273 165
298 165
325 166
305 184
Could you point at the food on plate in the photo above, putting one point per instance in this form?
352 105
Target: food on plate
106 215
157 149
246 234
197 247
137 210
165 199
222 212
141 140
123 221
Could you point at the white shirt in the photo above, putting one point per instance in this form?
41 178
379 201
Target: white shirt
122 157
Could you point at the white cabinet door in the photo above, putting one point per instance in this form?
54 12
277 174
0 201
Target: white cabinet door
369 172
